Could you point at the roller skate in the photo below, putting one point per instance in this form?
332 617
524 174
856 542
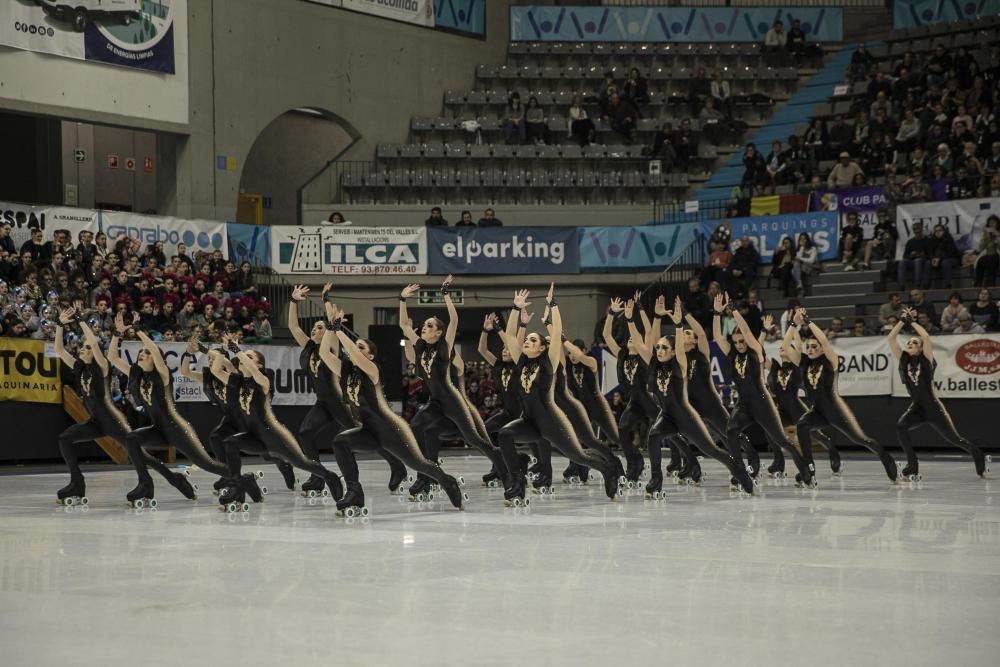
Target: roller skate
74 493
535 464
911 473
420 490
336 488
836 467
741 480
806 477
141 496
571 474
353 503
454 491
634 471
542 483
654 489
221 483
676 463
397 475
313 486
612 482
690 473
234 499
584 474
982 461
248 482
287 474
891 467
753 460
492 478
777 469
181 482
513 496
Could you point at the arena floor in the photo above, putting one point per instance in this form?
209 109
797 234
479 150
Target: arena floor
854 572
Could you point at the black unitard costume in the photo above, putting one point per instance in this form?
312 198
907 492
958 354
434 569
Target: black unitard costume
505 384
93 388
582 382
754 405
266 434
168 428
917 373
828 409
542 420
383 431
578 418
784 380
640 411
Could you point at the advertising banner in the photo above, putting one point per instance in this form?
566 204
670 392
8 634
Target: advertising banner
420 12
197 235
26 374
349 249
668 24
249 243
292 385
506 250
968 366
964 218
766 231
915 13
864 201
129 33
24 217
866 367
616 248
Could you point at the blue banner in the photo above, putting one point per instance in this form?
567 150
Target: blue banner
915 13
669 24
766 231
503 250
461 15
616 248
249 243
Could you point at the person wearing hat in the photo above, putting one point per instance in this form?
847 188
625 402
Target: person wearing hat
843 173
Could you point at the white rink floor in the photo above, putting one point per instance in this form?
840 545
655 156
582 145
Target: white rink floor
856 572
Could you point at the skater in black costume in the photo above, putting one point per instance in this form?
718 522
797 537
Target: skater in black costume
746 359
784 379
264 433
447 408
380 429
542 420
503 371
92 377
667 380
151 384
819 372
640 411
916 370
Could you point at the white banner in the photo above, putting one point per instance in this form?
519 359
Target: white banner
128 33
420 12
349 249
197 235
866 367
964 218
292 385
23 218
968 366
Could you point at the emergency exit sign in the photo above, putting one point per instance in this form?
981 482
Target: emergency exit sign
430 297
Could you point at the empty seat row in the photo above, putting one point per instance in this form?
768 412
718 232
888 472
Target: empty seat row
438 150
578 73
944 29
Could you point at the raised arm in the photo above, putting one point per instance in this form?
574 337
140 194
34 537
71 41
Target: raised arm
114 356
404 317
510 337
359 359
575 352
699 331
329 349
679 351
255 372
793 345
64 318
638 340
156 355
922 332
299 293
95 347
616 307
187 369
637 297
484 349
221 367
824 342
891 337
452 328
717 309
752 341
555 330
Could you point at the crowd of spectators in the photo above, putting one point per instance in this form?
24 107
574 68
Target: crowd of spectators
170 299
489 219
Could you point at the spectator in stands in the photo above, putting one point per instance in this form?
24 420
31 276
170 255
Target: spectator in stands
952 312
775 44
782 264
617 405
985 311
262 326
851 239
743 268
909 131
754 170
925 320
992 165
943 253
799 160
534 119
685 144
436 219
860 328
466 220
796 42
776 164
861 132
894 306
806 261
721 92
861 61
988 259
840 137
883 242
335 218
6 242
921 305
243 282
938 67
183 256
606 91
717 268
490 219
711 120
699 90
967 325
837 329
842 174
581 128
513 126
889 325
634 88
40 252
663 147
622 117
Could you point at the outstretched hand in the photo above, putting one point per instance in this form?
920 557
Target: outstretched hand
720 304
629 308
299 293
409 290
676 314
489 322
617 305
521 299
526 317
66 316
660 308
548 297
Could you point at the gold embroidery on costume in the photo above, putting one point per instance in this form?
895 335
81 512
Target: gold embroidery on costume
354 389
427 359
663 376
741 364
146 389
813 374
506 374
246 398
631 366
314 361
220 391
85 380
691 366
783 377
528 376
913 372
578 375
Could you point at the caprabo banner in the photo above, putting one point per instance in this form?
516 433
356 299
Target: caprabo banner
349 249
506 250
26 374
129 33
197 235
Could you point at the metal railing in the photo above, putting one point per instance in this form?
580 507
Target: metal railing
673 280
669 213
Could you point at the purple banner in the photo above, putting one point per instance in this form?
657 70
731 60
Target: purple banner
864 201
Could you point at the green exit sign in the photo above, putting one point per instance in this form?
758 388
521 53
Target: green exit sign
430 297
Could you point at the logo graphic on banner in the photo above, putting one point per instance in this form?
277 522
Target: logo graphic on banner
249 243
508 250
766 231
864 201
979 357
26 374
914 13
197 235
964 218
634 247
349 249
128 33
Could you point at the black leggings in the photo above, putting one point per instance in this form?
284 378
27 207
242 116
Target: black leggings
579 420
435 418
388 443
789 418
274 451
716 419
152 437
551 427
762 412
840 417
318 427
217 437
936 417
600 413
94 429
630 423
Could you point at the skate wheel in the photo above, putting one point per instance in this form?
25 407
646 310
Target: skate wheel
364 511
349 512
195 487
461 481
85 501
231 508
517 502
533 460
527 501
187 472
151 503
409 478
465 497
259 474
263 490
311 494
68 502
326 493
245 507
621 492
492 484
